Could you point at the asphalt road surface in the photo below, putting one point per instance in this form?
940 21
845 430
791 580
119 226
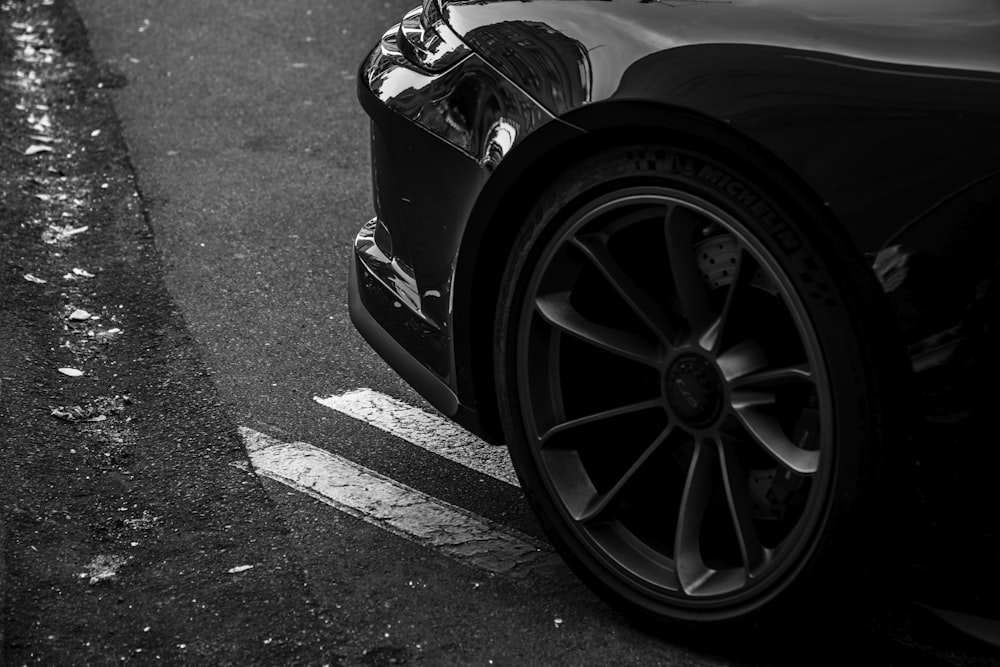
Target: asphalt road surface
350 523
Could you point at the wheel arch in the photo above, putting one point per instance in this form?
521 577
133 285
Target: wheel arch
529 170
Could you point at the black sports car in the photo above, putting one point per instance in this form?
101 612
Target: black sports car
721 274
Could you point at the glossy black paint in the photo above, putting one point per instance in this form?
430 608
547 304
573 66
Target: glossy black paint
885 115
436 139
885 111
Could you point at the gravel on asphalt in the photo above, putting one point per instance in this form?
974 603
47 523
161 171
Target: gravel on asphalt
132 527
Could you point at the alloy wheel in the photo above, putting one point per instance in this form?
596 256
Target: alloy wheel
675 399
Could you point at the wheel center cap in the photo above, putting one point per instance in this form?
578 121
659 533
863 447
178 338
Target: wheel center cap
694 390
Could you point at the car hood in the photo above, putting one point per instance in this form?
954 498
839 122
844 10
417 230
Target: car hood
537 41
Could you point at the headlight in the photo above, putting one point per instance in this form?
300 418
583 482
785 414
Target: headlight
427 41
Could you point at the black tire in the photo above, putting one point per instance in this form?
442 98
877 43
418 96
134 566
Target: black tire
691 392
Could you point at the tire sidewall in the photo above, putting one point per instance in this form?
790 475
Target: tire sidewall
813 257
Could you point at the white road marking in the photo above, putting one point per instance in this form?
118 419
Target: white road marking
431 432
400 509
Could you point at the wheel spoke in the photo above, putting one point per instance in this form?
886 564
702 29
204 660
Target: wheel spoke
767 432
692 572
600 501
741 360
649 310
774 376
692 293
742 399
598 417
755 554
560 313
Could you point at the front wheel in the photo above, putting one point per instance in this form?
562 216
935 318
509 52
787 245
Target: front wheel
688 391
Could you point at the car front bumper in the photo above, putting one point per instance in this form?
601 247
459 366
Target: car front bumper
436 138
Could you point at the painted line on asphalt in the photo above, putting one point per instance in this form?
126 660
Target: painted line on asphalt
429 431
400 509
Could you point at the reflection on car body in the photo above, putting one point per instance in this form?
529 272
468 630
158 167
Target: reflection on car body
721 275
